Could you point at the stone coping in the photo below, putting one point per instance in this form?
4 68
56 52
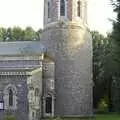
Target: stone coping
66 25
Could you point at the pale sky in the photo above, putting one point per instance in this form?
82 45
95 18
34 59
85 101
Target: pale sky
30 13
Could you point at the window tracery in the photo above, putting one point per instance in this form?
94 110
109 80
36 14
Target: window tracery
10 97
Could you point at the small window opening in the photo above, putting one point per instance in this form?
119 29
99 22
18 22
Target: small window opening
10 97
52 84
49 105
78 8
48 9
62 7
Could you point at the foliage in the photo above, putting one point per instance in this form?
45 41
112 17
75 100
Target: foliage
116 36
101 46
9 117
30 34
3 34
102 106
18 34
115 51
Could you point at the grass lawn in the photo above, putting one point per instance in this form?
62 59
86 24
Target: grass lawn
108 117
112 116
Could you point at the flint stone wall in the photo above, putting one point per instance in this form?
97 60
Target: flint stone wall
70 46
21 113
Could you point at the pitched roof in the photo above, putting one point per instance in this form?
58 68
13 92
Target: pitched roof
21 47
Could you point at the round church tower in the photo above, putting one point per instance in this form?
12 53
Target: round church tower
68 42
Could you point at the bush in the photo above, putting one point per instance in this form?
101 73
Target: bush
9 117
102 106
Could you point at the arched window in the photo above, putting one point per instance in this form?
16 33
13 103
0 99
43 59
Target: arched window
62 8
78 8
49 104
48 9
10 97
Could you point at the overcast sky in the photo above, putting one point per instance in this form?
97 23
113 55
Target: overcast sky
30 13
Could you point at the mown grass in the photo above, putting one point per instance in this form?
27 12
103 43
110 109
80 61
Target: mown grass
108 117
112 116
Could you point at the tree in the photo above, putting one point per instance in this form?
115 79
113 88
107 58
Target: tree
17 34
30 34
8 35
2 34
100 65
115 36
97 65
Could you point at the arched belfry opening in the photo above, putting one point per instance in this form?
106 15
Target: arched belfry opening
62 7
79 8
48 9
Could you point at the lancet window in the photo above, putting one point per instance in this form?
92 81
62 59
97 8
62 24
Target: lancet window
79 8
62 7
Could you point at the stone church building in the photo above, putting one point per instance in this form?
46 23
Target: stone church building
52 77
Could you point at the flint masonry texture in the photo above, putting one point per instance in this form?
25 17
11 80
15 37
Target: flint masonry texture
70 46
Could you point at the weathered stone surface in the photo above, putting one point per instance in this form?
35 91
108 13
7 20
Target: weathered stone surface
22 102
70 46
